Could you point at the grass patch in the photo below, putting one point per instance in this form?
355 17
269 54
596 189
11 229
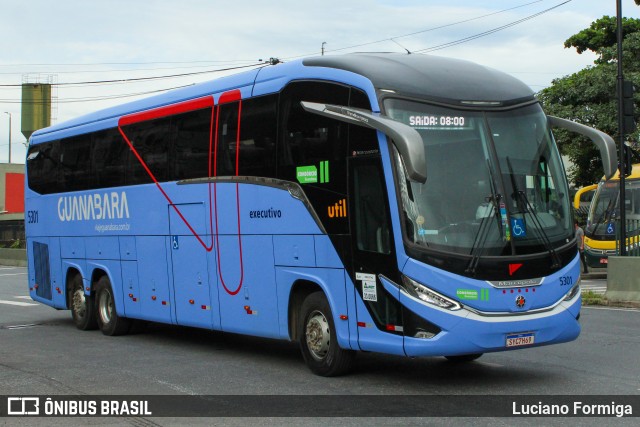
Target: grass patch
592 298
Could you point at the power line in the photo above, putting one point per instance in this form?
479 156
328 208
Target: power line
488 32
422 31
95 98
63 64
139 79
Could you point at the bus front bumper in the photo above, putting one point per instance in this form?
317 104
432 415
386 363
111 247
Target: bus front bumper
470 332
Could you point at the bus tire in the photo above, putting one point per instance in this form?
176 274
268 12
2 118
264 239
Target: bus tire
108 320
464 358
82 306
317 338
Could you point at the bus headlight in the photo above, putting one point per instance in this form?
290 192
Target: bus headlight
429 296
573 292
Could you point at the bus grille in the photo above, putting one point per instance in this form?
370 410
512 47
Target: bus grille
41 266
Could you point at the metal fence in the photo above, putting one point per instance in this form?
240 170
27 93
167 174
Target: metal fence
633 238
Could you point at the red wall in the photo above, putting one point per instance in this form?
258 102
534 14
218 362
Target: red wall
14 195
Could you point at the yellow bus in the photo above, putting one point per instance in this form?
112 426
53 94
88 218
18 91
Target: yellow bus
604 217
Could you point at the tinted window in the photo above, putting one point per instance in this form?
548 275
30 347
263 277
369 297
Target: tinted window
313 148
43 164
191 144
227 140
258 137
152 141
111 157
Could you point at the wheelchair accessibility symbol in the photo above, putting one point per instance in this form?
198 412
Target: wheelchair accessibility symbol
518 228
611 229
174 243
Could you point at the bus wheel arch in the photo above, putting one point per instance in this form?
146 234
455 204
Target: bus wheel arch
82 306
299 292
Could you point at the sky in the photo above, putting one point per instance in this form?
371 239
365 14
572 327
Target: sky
79 41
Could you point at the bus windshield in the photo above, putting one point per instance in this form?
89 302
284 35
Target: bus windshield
495 182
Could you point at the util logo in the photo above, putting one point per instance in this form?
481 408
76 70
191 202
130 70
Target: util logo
339 210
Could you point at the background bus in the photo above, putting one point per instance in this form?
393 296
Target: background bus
601 233
404 204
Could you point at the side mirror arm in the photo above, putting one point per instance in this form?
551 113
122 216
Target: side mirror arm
606 144
406 139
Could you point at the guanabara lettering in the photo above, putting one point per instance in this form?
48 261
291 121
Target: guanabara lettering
95 206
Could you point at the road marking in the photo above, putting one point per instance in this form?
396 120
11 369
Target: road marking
13 274
22 297
30 325
21 304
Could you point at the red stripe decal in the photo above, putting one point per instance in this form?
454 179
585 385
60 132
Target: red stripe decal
183 107
231 96
169 110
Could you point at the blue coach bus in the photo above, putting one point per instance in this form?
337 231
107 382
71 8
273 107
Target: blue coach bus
396 203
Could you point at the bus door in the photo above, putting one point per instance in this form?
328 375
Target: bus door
379 316
245 263
193 303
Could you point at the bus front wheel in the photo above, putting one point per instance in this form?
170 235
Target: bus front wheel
317 337
108 320
82 306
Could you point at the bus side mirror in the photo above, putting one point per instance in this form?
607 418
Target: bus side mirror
604 142
406 139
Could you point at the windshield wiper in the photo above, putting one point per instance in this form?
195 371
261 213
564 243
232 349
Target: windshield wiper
481 237
526 207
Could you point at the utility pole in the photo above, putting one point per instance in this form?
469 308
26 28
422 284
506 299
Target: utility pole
6 112
621 132
322 48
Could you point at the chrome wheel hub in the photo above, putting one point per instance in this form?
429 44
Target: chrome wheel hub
105 307
318 335
79 303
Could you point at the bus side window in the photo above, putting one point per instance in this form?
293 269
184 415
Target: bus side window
371 222
191 144
310 141
227 122
43 165
110 158
75 160
152 141
258 137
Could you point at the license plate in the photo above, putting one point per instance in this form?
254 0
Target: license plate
517 340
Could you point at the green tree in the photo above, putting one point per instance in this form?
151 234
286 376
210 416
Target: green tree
590 97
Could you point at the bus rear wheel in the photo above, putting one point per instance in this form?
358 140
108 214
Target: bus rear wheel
318 341
108 320
82 306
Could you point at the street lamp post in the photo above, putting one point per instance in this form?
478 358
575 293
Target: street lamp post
6 112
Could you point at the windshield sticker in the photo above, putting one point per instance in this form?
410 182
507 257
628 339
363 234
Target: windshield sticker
309 174
518 227
369 290
505 222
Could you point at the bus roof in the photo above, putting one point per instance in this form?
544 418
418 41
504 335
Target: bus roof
439 79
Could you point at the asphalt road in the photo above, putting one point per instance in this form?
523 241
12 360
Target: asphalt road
41 352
